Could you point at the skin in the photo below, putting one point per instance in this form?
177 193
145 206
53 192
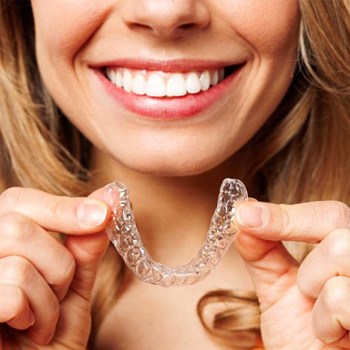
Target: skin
120 30
49 303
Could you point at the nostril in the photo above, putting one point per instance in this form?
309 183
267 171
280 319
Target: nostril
187 26
166 18
140 26
164 30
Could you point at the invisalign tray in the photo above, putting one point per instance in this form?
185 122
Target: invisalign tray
124 234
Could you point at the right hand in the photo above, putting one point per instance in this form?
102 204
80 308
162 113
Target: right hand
45 285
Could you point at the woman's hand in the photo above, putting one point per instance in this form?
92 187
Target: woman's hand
45 285
303 307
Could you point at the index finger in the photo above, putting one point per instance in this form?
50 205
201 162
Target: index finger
305 222
73 215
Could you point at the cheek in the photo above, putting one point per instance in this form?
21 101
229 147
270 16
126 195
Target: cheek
63 27
269 27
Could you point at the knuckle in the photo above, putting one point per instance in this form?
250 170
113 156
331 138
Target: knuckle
336 292
14 227
338 244
54 209
285 221
16 269
340 214
58 208
10 197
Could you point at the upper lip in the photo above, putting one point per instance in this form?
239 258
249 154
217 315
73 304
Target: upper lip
171 66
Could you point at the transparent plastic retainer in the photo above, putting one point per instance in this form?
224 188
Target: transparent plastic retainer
123 233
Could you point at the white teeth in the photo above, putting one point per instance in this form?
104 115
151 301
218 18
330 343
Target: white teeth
205 80
176 85
193 84
127 80
118 79
163 84
139 84
155 86
214 77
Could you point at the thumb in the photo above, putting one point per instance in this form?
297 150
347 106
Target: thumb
88 250
267 261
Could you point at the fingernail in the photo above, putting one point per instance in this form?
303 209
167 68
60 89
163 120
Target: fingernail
31 319
252 215
92 213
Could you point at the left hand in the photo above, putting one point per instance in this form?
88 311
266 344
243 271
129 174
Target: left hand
303 306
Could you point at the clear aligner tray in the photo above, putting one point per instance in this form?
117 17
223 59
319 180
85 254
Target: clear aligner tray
123 233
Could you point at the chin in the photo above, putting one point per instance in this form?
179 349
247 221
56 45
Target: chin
172 167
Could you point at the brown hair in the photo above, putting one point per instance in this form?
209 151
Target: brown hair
303 150
32 130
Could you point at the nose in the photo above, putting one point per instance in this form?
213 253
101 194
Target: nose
166 18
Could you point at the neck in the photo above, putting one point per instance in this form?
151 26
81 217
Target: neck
172 213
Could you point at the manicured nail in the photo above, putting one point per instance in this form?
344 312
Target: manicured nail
252 215
92 213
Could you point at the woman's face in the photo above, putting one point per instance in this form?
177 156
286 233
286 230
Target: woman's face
167 87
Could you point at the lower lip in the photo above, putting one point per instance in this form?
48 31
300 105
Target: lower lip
165 108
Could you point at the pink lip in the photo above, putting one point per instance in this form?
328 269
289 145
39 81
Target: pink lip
165 108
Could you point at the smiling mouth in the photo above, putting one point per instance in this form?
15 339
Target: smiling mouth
154 83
